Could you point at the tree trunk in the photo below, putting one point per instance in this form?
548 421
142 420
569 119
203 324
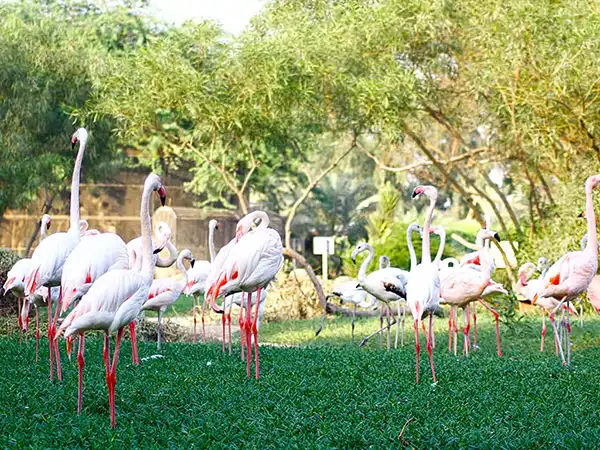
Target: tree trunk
292 254
546 187
503 199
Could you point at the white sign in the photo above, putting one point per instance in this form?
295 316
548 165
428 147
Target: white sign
323 245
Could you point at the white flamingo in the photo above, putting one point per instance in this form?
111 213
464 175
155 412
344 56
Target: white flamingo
115 300
386 285
251 266
164 292
49 257
198 275
161 239
423 285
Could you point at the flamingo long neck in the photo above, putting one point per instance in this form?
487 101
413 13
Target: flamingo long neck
486 266
440 252
168 262
147 259
211 242
411 248
426 252
181 268
362 273
592 243
74 212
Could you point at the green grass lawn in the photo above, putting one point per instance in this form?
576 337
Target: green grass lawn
323 394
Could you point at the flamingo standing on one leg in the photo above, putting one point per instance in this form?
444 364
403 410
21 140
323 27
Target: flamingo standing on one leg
115 300
572 274
49 257
423 284
198 275
164 292
250 267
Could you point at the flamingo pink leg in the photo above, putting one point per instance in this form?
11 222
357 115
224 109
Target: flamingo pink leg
27 333
80 365
496 317
474 327
241 322
54 321
112 379
50 345
37 335
543 329
203 329
551 316
467 318
450 330
19 321
134 349
417 348
223 319
455 322
248 329
194 309
430 348
229 327
255 333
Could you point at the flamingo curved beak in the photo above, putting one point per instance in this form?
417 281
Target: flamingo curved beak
582 214
162 192
192 262
69 347
73 142
535 298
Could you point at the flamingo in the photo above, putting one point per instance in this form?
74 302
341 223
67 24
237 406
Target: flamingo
198 274
386 285
254 220
161 240
49 257
250 266
39 299
593 293
463 285
164 292
423 284
348 292
114 301
527 287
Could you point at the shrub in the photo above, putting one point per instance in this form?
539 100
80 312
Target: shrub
7 259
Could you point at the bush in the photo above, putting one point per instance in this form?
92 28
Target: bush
7 260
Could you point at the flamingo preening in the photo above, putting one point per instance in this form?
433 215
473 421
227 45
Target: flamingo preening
250 266
164 292
49 257
115 300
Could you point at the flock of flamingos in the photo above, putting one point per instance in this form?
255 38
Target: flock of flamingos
101 283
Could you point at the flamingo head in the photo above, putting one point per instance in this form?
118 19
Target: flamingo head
489 234
592 181
415 228
363 246
213 224
9 284
384 262
81 135
162 193
428 190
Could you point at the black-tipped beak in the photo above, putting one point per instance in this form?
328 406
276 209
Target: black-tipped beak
162 192
414 194
497 237
48 225
192 262
581 214
354 259
158 250
73 142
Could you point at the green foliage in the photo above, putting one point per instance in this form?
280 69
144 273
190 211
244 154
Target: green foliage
7 260
331 395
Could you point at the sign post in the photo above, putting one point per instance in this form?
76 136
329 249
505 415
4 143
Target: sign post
323 245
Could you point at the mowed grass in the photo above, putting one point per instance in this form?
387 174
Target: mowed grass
325 393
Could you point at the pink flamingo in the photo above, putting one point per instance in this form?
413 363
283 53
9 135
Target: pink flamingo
572 274
593 293
49 257
463 285
15 279
423 286
254 220
164 292
161 240
114 301
199 273
251 266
